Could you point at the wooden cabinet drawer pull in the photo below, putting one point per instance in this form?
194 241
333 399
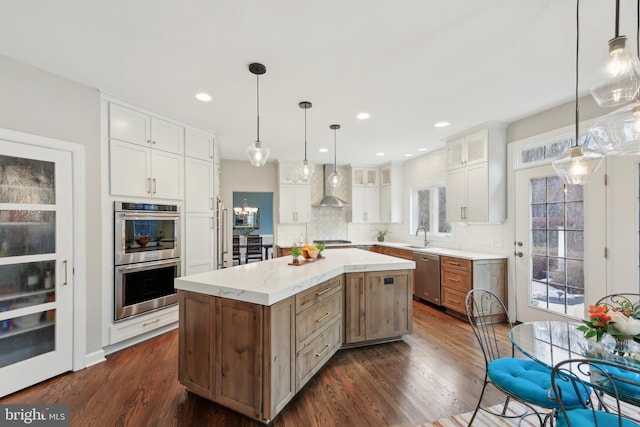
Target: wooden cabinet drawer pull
323 317
451 279
323 292
453 263
454 300
325 349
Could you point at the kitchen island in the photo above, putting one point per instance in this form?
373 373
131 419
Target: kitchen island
252 336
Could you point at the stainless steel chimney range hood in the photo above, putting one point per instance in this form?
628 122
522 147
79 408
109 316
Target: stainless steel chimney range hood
329 199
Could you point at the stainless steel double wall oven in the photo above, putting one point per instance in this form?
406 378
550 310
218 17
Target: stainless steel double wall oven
146 258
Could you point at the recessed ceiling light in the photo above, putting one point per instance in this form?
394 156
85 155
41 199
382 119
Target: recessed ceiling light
441 124
422 149
203 96
323 150
363 116
380 154
408 155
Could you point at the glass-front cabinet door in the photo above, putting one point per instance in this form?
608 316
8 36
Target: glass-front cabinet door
35 265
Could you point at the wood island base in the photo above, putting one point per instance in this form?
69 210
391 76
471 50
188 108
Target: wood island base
254 358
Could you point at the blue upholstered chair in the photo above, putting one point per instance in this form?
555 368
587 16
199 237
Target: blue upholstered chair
524 380
620 383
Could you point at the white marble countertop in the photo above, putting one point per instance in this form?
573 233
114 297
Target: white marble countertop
270 281
458 253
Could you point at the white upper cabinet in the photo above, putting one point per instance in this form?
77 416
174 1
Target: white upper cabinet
364 176
391 193
365 204
139 128
294 195
198 145
476 176
146 155
468 150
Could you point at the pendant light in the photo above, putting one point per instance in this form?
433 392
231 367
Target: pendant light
334 178
621 81
578 163
619 132
305 169
258 155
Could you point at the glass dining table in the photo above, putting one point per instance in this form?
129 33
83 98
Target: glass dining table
550 342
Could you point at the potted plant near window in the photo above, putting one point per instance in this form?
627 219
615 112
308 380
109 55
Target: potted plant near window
381 233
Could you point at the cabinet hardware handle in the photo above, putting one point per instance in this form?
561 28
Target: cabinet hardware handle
155 185
323 292
153 142
453 263
520 254
148 185
150 323
66 278
454 300
461 212
323 317
148 141
451 279
325 349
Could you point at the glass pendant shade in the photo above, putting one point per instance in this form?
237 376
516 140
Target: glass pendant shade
619 132
258 155
577 165
334 179
305 169
621 79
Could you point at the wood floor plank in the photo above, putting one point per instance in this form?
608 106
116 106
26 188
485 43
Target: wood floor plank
435 372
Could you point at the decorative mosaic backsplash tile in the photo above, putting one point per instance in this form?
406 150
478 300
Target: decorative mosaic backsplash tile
329 223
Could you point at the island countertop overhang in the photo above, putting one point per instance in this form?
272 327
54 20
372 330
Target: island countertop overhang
268 282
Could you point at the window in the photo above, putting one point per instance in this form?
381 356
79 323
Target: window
429 209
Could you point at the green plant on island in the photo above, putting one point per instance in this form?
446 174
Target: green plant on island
320 247
295 252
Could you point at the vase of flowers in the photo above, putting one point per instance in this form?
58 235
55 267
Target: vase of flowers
621 322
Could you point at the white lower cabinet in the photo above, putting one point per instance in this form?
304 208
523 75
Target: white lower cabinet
199 239
143 324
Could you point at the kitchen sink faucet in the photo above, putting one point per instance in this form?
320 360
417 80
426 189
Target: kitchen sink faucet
422 227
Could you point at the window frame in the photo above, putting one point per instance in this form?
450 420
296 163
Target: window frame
434 207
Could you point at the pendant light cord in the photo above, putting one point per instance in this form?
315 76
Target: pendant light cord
617 18
577 58
258 106
305 132
335 156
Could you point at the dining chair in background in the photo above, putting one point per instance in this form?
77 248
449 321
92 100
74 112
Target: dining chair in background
236 249
524 380
619 382
254 249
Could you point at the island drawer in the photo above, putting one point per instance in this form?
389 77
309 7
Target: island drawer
324 290
315 355
455 300
311 322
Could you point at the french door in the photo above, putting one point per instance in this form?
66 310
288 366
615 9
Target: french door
559 244
36 249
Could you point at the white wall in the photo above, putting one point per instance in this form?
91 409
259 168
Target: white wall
41 103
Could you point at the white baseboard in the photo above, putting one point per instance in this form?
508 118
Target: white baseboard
94 358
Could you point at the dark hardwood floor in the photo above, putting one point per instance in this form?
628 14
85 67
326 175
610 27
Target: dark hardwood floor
435 372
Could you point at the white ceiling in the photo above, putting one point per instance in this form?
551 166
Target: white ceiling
409 63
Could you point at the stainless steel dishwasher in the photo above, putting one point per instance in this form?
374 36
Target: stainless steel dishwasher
427 277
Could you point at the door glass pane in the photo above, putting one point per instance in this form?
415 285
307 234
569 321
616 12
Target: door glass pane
26 181
557 246
28 255
27 232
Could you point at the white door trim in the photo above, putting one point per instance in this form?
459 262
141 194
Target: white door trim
79 231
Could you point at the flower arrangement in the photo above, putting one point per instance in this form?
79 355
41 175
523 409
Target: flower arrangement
620 321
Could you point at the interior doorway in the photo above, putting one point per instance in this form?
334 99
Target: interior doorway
252 220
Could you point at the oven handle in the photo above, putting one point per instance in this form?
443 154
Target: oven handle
141 266
150 215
